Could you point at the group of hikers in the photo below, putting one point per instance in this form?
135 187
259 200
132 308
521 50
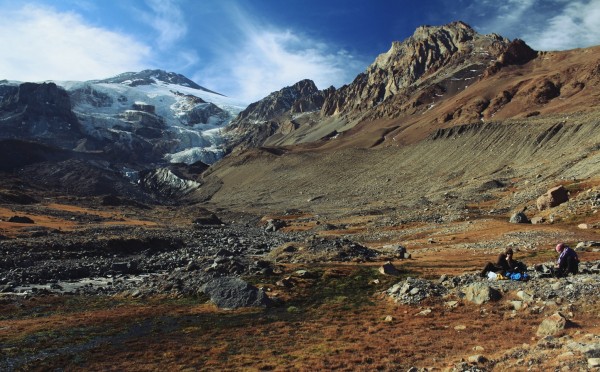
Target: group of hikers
567 263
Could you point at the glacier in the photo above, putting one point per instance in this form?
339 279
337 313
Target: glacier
187 119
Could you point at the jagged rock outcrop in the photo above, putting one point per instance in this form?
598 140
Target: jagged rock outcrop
39 112
163 182
450 49
262 119
276 103
434 64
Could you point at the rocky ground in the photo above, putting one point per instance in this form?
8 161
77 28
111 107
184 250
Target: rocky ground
286 267
75 262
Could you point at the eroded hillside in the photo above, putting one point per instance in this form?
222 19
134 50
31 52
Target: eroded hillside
527 156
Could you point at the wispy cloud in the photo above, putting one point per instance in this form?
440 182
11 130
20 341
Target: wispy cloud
47 44
576 25
266 59
543 24
166 18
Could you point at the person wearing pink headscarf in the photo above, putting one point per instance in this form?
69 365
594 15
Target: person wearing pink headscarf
568 262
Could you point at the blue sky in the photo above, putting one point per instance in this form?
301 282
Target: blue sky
247 49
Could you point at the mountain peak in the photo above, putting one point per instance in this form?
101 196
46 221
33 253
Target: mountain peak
428 54
454 27
148 77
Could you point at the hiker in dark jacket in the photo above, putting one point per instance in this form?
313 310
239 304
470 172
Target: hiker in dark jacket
568 262
504 263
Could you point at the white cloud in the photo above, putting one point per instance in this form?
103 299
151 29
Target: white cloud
167 19
577 25
267 60
48 45
543 24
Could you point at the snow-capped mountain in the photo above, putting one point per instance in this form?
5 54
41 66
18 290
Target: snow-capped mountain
114 136
157 110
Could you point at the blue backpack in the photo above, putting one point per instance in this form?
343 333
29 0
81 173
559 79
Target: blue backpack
518 276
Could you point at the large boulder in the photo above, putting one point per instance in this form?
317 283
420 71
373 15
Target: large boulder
552 325
20 219
233 293
207 217
553 197
480 293
389 269
519 217
274 225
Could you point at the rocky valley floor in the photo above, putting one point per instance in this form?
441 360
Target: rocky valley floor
95 287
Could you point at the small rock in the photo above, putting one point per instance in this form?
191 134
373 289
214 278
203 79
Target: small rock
274 225
389 318
305 274
552 198
583 226
424 312
389 269
524 296
395 288
233 293
286 282
517 305
593 362
460 327
405 288
538 220
566 355
477 359
451 304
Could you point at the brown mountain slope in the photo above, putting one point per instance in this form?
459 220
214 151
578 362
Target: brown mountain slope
554 82
438 78
442 175
446 111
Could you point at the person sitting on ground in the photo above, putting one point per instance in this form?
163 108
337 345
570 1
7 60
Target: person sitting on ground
505 263
568 262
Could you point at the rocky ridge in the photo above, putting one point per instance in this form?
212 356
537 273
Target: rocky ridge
440 77
147 77
434 63
451 50
274 113
38 112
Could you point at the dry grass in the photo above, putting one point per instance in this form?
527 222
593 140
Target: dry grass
334 322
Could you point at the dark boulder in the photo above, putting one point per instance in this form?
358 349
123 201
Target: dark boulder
552 198
519 217
233 293
207 218
20 219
